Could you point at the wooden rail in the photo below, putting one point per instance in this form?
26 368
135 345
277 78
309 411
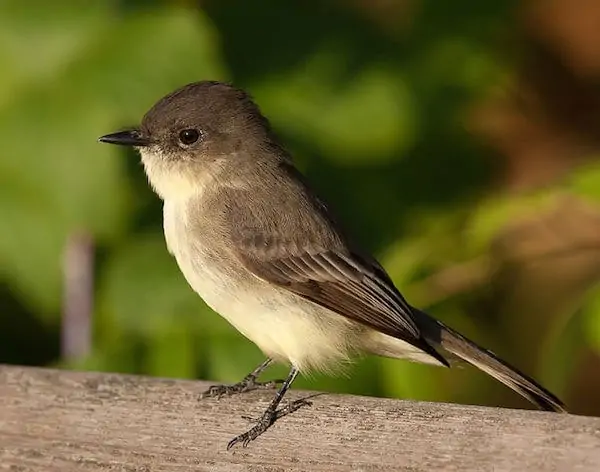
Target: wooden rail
53 420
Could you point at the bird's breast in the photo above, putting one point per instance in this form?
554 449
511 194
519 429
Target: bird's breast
197 254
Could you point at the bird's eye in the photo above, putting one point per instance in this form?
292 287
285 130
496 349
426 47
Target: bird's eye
189 136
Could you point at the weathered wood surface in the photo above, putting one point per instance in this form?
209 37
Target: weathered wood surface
63 421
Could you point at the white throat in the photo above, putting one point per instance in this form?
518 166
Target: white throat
173 180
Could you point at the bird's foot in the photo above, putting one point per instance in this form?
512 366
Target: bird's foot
263 423
291 407
260 427
246 385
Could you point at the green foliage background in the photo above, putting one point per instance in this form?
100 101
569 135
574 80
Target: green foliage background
375 117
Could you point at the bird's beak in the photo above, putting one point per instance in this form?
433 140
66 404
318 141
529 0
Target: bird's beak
131 137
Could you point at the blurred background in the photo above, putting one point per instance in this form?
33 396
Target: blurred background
459 141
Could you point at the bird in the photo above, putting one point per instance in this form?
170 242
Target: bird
262 249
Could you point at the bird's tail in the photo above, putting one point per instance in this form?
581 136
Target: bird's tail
488 362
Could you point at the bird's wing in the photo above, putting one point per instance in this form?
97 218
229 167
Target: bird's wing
344 284
303 252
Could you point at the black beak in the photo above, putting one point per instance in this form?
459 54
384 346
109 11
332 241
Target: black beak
131 137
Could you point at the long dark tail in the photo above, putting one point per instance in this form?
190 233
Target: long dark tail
488 362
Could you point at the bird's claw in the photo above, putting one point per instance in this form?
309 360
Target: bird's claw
263 423
246 438
219 391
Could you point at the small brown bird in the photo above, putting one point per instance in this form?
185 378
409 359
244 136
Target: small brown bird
257 244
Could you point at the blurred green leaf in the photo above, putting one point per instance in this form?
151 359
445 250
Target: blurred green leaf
368 119
396 378
585 181
144 291
63 173
171 352
498 212
591 319
36 47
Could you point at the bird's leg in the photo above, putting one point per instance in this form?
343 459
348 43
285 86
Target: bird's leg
270 415
247 384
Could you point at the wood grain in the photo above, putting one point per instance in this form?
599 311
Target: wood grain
53 420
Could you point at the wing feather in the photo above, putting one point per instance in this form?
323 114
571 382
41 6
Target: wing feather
345 284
